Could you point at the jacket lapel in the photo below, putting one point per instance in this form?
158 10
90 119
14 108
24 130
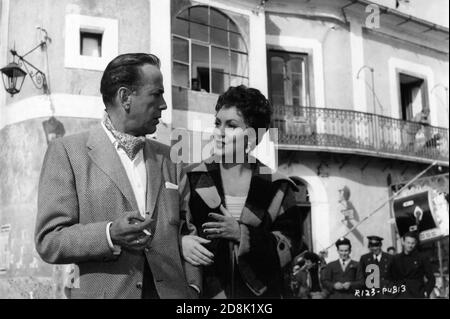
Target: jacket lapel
153 164
104 155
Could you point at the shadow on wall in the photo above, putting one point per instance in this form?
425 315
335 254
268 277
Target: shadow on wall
349 213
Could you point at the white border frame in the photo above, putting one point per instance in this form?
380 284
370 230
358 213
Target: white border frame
397 65
257 60
110 41
320 206
302 45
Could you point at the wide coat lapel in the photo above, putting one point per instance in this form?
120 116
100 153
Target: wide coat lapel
153 164
104 155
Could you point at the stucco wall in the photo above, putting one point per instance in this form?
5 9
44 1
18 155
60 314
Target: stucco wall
368 190
22 149
25 15
378 50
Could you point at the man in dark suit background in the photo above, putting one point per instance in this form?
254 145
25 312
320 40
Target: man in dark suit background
342 276
109 200
409 269
376 258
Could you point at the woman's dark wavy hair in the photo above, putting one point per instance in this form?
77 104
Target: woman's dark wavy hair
124 71
251 104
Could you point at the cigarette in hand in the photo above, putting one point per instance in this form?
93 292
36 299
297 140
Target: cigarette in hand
145 231
148 233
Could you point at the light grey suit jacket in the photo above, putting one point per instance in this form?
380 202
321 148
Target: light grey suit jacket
83 186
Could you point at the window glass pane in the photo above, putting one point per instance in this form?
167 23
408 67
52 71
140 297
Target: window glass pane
219 37
295 71
232 26
220 81
218 19
237 43
199 14
220 60
220 64
184 14
277 80
199 32
239 64
91 44
295 65
180 49
297 88
277 99
276 64
181 27
200 66
237 80
180 75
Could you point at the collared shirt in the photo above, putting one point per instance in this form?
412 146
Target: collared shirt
344 264
377 257
137 175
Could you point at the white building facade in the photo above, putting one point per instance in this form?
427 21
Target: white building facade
347 82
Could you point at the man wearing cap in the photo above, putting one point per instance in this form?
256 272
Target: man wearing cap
408 270
342 276
376 259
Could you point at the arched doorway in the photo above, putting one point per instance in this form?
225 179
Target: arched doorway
304 206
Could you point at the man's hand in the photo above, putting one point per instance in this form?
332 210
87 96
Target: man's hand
130 231
346 285
338 286
226 226
194 252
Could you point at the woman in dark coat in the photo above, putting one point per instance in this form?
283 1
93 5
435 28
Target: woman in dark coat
245 216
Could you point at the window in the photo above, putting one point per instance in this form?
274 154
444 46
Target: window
288 78
413 96
209 53
91 44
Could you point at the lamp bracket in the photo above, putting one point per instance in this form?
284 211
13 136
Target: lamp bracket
37 76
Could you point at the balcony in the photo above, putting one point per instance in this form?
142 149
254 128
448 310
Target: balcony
345 131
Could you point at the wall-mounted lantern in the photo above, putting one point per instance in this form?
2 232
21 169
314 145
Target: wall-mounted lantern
13 76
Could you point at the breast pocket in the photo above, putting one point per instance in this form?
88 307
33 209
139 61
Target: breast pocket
170 204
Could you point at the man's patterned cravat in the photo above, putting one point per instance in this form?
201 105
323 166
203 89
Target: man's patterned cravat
129 143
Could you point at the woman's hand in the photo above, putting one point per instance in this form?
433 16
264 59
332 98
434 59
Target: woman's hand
226 226
194 252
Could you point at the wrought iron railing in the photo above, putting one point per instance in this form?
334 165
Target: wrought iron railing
346 129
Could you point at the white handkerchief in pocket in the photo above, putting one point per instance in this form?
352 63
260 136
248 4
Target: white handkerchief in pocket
171 186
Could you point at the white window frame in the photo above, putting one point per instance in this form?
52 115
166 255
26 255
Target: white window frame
75 24
397 66
192 41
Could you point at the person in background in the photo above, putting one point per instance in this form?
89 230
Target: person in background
391 250
410 269
308 277
342 276
295 279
